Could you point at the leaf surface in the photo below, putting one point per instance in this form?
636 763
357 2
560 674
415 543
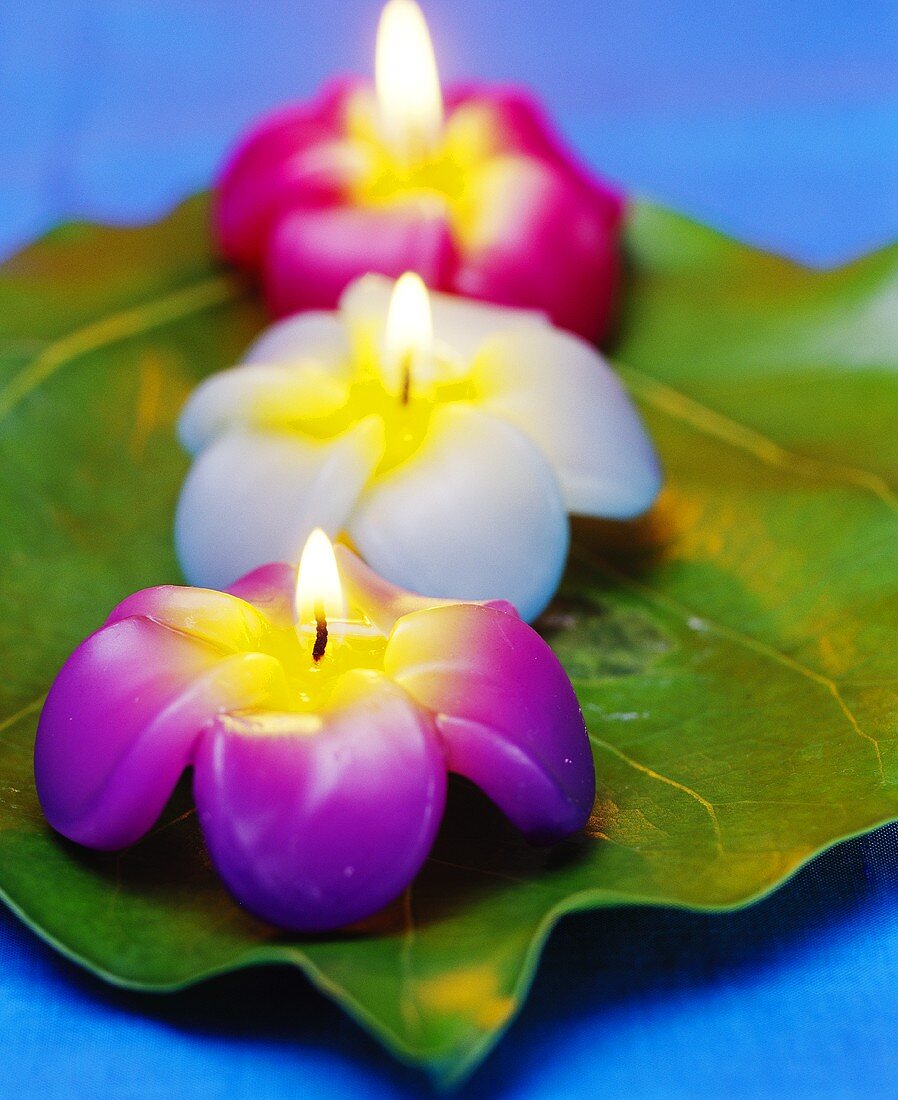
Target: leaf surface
734 653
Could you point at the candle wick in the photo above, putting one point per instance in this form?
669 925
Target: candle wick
405 390
320 634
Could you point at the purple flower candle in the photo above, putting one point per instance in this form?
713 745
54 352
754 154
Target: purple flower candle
320 739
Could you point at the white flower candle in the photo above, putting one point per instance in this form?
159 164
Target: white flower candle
447 439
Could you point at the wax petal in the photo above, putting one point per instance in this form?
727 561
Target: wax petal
559 391
296 157
506 711
253 497
290 205
271 589
460 326
520 125
380 601
218 618
299 368
537 239
476 513
314 254
316 337
121 722
317 821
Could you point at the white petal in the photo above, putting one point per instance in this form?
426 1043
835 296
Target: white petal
460 325
298 368
254 497
558 390
258 395
317 336
475 514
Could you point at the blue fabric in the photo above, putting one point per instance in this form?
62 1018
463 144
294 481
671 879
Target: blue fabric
777 121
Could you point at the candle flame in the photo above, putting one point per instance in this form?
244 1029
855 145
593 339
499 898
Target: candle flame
319 593
408 340
409 98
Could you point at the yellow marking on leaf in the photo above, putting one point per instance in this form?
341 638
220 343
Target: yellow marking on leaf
473 992
149 391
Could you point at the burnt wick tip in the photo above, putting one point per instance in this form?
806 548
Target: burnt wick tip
320 639
406 386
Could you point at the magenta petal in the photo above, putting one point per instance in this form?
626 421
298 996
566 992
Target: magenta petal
288 202
505 709
315 822
119 725
542 242
278 167
523 127
382 602
211 616
315 253
272 590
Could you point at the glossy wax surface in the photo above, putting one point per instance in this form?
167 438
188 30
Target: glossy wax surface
319 770
457 484
313 197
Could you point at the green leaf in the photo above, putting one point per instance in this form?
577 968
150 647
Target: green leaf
735 653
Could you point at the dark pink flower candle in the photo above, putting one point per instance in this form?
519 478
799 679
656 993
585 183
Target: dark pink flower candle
475 193
320 720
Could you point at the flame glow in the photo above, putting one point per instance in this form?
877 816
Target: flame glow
319 592
409 98
408 340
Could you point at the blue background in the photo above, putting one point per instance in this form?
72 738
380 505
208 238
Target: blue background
776 120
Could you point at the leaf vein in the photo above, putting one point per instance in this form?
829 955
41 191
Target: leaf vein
690 791
411 1011
704 419
488 872
745 640
29 708
213 291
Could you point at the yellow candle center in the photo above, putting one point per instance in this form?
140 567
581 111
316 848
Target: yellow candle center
327 640
408 149
401 377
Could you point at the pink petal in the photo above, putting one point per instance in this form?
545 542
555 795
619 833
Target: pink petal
522 126
271 589
541 241
505 709
315 822
315 253
122 718
280 165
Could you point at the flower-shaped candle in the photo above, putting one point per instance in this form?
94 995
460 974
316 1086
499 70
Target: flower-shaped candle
320 729
449 451
478 196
